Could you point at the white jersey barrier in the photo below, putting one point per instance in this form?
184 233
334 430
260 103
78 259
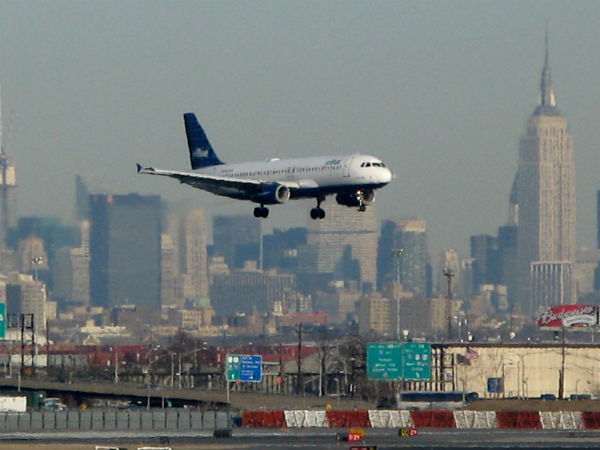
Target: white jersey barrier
389 418
475 419
305 419
561 420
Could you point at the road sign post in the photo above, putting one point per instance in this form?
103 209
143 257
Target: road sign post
242 368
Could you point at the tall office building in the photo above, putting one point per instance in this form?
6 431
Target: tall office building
195 260
8 185
486 262
545 195
415 273
403 256
386 263
125 250
169 272
280 249
344 245
237 239
27 296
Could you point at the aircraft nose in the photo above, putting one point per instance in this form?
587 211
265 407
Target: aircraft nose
387 175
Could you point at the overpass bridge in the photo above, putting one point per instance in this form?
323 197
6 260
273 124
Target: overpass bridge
77 393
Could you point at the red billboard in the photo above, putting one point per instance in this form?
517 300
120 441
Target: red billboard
569 316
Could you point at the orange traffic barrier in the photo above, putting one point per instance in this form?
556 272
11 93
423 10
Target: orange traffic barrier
590 420
518 419
433 419
275 418
350 418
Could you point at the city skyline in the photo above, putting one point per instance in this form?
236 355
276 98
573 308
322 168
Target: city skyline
284 80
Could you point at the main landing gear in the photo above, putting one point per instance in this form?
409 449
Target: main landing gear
318 212
261 211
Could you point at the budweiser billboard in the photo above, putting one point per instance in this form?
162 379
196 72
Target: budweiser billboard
569 316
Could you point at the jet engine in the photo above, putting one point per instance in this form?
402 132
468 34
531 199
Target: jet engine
272 194
352 199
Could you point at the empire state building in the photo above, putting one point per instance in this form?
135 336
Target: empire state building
544 206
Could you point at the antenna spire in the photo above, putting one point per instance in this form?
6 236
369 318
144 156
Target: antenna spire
547 93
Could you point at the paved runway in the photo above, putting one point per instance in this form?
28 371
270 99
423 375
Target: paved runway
286 439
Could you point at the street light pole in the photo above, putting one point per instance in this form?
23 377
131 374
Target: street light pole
172 367
179 375
117 365
398 254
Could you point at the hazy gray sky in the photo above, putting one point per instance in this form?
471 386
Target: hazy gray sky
439 90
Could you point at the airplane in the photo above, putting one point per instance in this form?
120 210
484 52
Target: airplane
353 179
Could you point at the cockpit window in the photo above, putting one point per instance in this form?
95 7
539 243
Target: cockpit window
372 164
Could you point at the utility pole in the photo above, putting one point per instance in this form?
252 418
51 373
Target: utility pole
299 378
561 387
449 274
281 380
22 368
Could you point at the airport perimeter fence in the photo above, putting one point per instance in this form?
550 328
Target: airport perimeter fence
172 419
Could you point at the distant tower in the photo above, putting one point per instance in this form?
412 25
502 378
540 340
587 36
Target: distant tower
8 183
545 199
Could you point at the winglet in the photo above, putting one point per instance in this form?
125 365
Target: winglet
139 167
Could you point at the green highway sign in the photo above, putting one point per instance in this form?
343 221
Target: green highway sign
416 359
394 361
2 320
384 360
232 367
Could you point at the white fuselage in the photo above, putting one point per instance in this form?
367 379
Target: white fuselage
312 174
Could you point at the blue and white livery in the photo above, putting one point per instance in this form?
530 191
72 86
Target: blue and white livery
353 179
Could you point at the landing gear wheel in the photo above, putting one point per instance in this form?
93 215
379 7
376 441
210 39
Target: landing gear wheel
317 213
362 208
261 211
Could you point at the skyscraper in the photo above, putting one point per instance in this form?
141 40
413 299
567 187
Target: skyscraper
544 194
237 239
8 184
344 245
403 256
195 264
125 250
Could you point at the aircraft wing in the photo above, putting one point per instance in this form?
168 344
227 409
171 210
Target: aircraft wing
214 183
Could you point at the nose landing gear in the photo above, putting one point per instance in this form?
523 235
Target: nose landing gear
360 196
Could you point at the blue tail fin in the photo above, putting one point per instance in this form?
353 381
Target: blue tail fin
201 152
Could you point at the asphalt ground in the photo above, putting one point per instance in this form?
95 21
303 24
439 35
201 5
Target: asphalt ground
286 439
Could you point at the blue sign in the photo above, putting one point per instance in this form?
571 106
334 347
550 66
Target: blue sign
244 368
495 385
251 368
